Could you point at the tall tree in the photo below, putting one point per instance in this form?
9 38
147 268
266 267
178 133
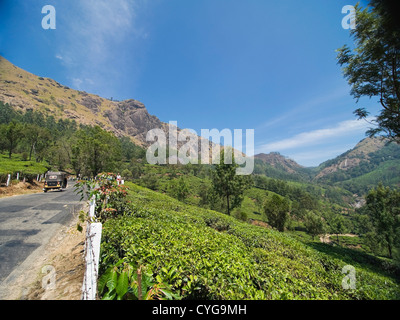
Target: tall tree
179 189
314 224
337 225
11 134
228 184
36 137
383 207
276 210
373 67
7 113
95 150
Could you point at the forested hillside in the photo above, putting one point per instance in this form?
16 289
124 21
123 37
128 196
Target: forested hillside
34 137
371 161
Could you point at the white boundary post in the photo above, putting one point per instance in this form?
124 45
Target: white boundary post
92 207
92 252
8 179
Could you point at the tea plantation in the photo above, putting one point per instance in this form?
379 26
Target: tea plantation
203 254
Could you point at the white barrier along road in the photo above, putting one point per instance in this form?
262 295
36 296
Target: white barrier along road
92 252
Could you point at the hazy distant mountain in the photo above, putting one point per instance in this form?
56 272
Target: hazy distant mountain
371 161
276 160
277 166
362 152
359 169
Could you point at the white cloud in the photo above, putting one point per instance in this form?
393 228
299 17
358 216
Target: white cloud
307 106
95 33
93 26
77 83
314 156
315 137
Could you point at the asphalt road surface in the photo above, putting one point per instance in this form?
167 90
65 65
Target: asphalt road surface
27 223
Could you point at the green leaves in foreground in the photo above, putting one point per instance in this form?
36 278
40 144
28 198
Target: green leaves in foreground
124 282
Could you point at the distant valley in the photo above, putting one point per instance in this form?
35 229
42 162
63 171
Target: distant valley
371 161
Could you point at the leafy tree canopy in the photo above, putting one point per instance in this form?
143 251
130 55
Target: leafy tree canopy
373 67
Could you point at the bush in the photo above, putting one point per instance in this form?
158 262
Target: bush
240 214
108 194
126 174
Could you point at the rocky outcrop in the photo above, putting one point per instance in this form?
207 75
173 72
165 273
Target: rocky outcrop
276 160
91 103
26 91
352 158
132 118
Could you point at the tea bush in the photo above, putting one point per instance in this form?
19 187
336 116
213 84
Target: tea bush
215 256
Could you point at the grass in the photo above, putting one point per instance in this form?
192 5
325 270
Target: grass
17 164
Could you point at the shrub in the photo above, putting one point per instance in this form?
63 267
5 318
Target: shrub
108 194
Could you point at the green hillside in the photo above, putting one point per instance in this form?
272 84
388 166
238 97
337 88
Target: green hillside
357 170
27 169
204 254
386 172
371 161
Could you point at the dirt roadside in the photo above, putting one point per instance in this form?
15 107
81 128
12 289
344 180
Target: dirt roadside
21 188
58 273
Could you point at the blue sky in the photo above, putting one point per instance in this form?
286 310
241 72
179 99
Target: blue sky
255 64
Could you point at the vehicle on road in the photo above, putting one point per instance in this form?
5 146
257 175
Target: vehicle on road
55 181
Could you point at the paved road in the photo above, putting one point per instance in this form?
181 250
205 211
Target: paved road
28 222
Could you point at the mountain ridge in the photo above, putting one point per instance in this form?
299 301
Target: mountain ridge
370 161
24 91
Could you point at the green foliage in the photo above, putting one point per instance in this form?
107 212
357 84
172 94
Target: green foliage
11 134
179 189
124 282
304 199
130 150
276 210
94 151
126 174
227 184
203 254
314 224
383 207
110 197
337 225
281 173
384 173
149 180
27 169
373 68
374 167
65 146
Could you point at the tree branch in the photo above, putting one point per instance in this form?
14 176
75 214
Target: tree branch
394 77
